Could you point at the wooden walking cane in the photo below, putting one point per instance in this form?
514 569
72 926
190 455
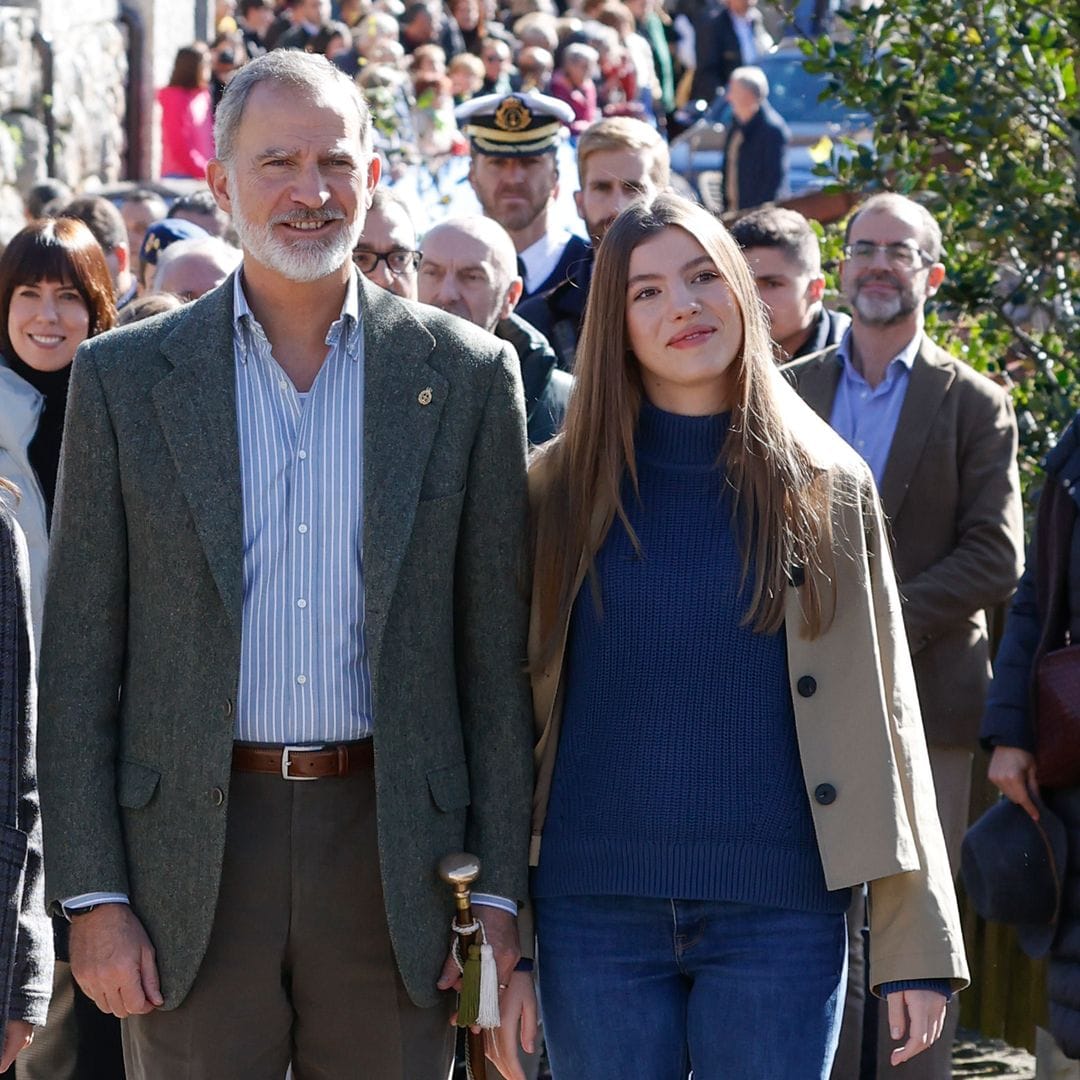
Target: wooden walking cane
460 871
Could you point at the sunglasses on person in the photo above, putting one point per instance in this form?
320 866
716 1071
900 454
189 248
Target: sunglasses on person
399 261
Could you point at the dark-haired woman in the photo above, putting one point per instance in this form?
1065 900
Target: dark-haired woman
187 115
26 948
55 292
728 732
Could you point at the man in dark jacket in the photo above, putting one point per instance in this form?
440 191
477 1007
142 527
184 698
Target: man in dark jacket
728 36
755 155
619 159
468 267
785 259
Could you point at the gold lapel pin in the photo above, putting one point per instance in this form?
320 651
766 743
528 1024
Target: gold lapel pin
425 395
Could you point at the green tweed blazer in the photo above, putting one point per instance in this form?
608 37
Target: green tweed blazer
140 655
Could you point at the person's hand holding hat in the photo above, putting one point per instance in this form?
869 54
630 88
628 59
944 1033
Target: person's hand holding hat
1012 772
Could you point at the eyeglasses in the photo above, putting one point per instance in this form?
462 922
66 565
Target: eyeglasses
399 261
904 255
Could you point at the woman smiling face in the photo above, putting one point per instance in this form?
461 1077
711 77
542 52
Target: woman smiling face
47 322
683 324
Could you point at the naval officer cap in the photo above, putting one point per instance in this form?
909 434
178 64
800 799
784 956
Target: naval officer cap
514 125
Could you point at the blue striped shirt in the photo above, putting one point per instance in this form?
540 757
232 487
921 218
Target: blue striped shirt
304 673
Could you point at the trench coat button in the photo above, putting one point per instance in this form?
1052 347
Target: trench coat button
228 707
217 796
825 794
807 686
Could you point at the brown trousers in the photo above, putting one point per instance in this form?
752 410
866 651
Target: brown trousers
299 966
951 766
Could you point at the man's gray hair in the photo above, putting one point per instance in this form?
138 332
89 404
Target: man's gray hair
290 68
886 201
753 78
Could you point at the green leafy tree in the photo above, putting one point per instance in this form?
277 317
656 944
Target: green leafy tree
977 115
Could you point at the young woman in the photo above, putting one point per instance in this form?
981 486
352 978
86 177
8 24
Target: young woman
187 115
728 732
26 948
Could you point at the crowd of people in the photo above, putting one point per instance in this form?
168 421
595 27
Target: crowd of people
557 523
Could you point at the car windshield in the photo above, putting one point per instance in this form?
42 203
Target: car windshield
794 93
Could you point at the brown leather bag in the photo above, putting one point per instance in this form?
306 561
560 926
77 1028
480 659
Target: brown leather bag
1056 686
1057 702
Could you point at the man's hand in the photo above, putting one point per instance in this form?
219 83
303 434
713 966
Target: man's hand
500 927
1012 772
113 961
919 1013
18 1036
517 1008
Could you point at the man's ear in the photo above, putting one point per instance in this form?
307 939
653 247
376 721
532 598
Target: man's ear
374 171
513 295
815 290
934 278
123 257
218 182
579 202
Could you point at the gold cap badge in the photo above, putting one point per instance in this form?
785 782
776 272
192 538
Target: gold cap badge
513 115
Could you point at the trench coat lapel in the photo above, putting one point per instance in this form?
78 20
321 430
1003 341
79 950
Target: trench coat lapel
926 390
403 401
196 408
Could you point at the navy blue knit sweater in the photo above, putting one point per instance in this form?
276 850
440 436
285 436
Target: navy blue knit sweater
678 773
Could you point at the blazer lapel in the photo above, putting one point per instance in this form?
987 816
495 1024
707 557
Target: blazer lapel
926 390
196 408
403 401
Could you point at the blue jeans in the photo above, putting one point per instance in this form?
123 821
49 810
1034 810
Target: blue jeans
650 989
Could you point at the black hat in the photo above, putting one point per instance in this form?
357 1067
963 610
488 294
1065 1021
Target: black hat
514 125
1014 871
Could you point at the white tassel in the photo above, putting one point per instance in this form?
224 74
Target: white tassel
489 989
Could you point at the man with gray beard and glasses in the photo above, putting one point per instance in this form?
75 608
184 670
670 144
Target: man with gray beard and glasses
941 441
282 676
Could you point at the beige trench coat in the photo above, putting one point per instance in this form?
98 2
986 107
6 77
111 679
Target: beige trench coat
859 730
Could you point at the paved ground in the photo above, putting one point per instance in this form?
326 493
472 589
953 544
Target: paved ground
974 1056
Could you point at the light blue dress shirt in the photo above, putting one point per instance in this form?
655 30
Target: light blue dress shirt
865 416
304 673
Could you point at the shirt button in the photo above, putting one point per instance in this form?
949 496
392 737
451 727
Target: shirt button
217 796
283 385
301 603
825 794
302 455
807 686
301 679
302 528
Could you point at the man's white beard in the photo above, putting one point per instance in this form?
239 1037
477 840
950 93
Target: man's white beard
304 259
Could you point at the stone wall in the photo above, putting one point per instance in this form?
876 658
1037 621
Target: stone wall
87 99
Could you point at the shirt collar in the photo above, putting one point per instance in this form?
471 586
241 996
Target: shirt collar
905 357
348 320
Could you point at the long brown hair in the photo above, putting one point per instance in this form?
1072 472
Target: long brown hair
781 497
62 250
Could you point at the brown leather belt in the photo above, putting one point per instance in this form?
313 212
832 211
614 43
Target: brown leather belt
297 763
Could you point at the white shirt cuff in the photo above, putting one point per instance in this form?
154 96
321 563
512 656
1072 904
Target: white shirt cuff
89 899
500 902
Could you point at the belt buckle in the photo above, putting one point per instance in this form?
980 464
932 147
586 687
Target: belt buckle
286 761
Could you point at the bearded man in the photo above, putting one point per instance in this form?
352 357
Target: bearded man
941 441
288 535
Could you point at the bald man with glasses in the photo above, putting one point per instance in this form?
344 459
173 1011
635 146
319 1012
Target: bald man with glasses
941 442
